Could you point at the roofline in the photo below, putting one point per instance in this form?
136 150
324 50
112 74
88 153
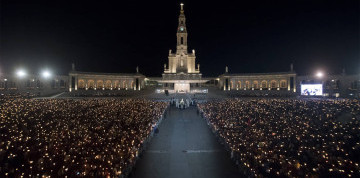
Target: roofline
96 73
257 74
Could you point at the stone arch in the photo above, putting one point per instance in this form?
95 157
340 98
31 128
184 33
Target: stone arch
81 83
231 84
91 84
238 84
273 84
116 84
132 85
247 84
283 84
100 84
108 84
264 84
255 84
124 84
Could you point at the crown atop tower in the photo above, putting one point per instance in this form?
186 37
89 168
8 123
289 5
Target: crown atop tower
182 8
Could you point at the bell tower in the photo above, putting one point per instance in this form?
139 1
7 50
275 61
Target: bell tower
181 34
181 61
181 74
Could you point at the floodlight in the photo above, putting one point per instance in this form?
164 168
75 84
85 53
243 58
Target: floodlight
46 74
319 74
21 73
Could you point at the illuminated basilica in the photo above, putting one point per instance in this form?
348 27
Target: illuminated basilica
181 75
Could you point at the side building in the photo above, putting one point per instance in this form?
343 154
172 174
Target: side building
334 85
33 83
280 82
105 81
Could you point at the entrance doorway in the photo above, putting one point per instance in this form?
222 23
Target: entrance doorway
182 87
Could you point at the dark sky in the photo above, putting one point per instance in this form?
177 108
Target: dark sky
116 36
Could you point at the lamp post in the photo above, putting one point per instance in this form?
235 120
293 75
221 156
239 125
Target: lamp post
46 74
20 74
320 75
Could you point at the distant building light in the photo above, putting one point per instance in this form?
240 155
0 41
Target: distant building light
333 80
5 80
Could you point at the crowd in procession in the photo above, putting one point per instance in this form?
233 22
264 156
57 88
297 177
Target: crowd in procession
82 137
289 137
182 103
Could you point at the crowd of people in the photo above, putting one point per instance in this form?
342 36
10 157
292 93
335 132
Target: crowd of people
289 137
105 93
82 137
259 93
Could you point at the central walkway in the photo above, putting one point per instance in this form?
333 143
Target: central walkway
184 147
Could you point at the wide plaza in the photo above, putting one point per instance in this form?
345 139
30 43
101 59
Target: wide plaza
93 90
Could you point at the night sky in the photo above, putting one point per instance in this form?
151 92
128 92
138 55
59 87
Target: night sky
116 36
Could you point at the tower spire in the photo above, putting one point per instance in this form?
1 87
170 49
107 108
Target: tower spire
181 33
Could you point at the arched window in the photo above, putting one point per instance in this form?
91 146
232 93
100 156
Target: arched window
81 84
239 84
99 84
247 84
108 84
116 84
91 84
124 84
273 84
255 84
263 84
283 83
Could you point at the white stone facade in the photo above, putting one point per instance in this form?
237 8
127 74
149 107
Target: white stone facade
182 70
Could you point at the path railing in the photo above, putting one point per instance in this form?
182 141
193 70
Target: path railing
233 155
144 144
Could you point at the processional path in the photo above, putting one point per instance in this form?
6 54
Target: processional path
184 147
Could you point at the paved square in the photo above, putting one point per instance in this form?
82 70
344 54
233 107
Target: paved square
184 147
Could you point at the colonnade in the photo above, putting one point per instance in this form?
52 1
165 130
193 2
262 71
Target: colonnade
234 83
